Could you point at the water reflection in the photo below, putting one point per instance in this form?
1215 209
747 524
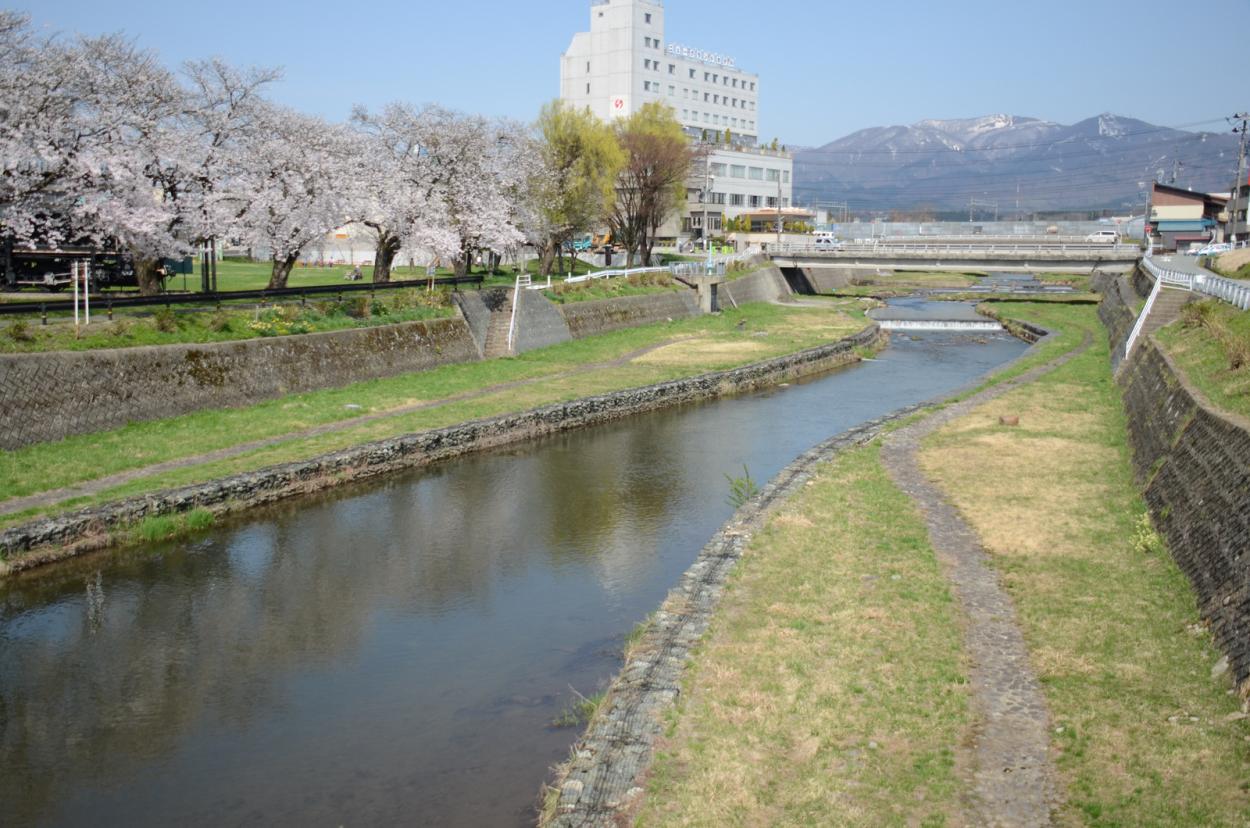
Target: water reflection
392 653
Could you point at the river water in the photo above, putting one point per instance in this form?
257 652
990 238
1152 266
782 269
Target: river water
394 653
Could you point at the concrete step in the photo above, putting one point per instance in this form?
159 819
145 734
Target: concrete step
497 332
1166 309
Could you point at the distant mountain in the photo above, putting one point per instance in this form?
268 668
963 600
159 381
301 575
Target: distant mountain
1101 162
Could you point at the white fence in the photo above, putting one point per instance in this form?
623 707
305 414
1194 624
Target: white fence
945 248
1232 292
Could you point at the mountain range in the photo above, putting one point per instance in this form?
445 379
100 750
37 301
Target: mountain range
1021 164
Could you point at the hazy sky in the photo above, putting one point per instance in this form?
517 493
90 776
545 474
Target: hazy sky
826 69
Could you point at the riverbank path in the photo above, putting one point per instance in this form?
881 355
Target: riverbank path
1013 778
90 488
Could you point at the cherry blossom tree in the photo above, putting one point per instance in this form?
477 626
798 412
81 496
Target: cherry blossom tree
296 173
396 190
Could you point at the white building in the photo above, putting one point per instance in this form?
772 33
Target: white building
626 61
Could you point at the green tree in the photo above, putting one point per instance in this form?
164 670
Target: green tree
572 186
652 184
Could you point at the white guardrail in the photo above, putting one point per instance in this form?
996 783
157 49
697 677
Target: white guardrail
1227 290
893 247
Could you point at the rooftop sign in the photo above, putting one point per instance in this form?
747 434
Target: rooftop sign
700 55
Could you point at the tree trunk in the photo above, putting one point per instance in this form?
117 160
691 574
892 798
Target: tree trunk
147 276
281 270
384 256
547 258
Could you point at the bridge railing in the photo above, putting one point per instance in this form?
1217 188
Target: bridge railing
936 249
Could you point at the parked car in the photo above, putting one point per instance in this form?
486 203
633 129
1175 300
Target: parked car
1213 249
1103 237
828 243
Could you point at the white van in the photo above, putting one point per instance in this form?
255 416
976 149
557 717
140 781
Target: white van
827 241
1103 237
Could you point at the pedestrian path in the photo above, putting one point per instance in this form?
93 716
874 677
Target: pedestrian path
1013 778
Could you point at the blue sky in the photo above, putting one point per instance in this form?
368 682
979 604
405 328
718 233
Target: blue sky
826 69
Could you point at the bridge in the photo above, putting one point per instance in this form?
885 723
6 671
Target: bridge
1014 255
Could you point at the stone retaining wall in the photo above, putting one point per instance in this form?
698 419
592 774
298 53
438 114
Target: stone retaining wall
539 322
1193 463
592 318
49 396
764 285
56 538
1117 311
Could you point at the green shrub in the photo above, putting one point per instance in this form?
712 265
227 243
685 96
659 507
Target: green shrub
19 331
165 320
219 322
1197 314
121 328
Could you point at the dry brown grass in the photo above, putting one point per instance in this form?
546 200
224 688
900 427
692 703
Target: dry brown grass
702 351
830 690
1107 625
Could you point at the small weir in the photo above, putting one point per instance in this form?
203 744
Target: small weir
921 315
395 653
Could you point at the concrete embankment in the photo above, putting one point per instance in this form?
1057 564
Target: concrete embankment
1193 464
50 396
51 539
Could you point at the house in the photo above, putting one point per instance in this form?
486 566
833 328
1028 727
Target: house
1180 218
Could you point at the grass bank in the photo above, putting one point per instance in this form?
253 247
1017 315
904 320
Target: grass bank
190 324
1143 731
1211 344
830 687
429 399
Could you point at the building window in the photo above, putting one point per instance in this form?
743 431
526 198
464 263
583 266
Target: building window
755 201
737 171
772 201
647 17
717 169
773 175
672 91
714 78
647 42
785 202
672 69
587 89
735 83
737 199
717 198
756 173
587 67
785 176
707 96
706 76
691 74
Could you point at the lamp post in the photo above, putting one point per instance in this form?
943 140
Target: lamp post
708 180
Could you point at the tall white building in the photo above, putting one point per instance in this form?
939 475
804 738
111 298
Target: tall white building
626 61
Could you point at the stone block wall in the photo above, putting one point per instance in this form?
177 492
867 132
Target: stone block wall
591 318
764 285
50 396
539 322
1117 313
1193 463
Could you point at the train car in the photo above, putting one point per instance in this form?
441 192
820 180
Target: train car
49 269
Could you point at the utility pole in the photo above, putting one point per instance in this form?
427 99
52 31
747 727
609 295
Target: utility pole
707 185
1240 181
778 211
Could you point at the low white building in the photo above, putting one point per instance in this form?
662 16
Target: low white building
625 61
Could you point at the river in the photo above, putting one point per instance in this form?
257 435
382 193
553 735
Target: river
394 653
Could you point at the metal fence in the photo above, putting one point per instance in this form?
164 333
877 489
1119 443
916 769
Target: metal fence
943 247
